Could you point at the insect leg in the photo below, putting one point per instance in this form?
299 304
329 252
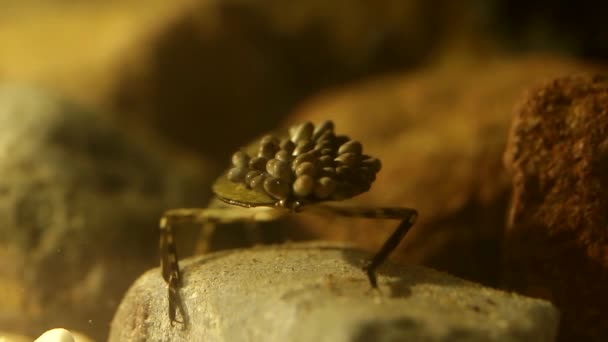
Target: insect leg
168 252
389 246
406 215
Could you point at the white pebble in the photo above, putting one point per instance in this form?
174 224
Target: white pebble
56 335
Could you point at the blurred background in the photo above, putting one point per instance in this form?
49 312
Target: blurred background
113 111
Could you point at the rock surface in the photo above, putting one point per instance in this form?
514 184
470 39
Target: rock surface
440 134
557 237
318 292
79 207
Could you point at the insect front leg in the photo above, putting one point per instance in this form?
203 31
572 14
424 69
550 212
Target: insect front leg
168 252
170 267
406 215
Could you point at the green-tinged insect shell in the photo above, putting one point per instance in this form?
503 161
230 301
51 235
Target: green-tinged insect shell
306 168
325 126
347 159
240 159
283 156
237 174
251 175
373 163
324 187
277 188
351 146
303 186
278 169
258 163
302 132
302 147
287 145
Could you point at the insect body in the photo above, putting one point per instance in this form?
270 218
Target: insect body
296 172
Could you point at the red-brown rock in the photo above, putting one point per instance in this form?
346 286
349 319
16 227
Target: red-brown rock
440 134
557 236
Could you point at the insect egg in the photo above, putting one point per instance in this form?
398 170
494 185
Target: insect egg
303 186
237 174
351 146
276 188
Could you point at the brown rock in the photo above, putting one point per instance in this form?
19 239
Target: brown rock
80 201
234 69
557 237
440 135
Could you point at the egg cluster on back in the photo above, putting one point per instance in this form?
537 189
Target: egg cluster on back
312 164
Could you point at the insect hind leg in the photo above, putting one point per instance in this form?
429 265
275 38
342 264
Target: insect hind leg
406 215
388 247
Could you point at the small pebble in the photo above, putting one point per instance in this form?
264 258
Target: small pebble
258 163
306 168
302 132
303 186
56 335
351 147
324 187
276 188
348 159
237 174
240 159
